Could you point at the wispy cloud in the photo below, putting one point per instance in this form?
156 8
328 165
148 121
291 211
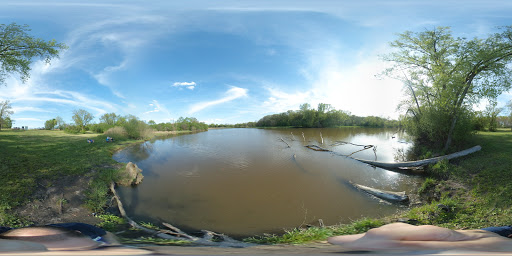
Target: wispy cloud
232 94
188 85
158 108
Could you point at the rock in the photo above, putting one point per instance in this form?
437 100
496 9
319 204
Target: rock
132 175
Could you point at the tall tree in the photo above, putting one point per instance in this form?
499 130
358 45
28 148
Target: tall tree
18 49
445 76
492 111
109 118
60 122
5 112
82 118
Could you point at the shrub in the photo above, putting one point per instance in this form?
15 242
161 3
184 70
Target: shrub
137 129
116 132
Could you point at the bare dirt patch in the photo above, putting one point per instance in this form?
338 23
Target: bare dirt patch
59 201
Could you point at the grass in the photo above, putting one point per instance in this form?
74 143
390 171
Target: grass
30 157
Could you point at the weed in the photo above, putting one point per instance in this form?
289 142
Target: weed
110 222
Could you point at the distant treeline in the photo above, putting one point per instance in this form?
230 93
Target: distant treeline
321 117
182 124
129 126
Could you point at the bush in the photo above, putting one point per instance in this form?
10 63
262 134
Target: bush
116 132
137 129
73 129
100 128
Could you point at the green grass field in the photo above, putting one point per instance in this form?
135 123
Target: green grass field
29 157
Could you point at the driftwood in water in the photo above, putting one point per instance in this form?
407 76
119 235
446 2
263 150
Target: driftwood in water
174 233
281 138
434 160
390 196
316 148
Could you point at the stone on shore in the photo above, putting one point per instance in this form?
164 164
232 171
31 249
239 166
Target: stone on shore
132 175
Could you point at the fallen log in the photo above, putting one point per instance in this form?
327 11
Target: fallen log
401 165
390 196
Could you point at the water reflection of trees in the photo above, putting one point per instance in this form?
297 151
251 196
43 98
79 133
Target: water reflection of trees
140 152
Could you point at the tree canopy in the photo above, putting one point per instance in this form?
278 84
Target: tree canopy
18 49
446 76
5 113
82 118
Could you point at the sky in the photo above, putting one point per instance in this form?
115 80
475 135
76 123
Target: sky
224 62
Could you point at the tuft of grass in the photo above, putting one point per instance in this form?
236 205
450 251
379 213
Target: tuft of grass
303 235
111 222
427 185
153 240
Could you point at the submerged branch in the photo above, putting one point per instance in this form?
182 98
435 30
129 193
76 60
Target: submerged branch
174 233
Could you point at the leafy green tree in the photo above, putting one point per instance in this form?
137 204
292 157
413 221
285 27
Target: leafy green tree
109 118
5 112
82 118
18 49
50 124
60 123
8 122
492 112
445 76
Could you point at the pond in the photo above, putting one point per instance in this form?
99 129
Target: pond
245 182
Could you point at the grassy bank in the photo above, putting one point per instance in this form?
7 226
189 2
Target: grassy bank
35 158
468 193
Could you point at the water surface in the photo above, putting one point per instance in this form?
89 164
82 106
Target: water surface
244 182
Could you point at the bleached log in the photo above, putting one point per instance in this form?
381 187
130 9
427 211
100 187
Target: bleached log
420 162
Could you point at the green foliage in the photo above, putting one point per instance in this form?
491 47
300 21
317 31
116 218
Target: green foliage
18 49
324 116
136 129
302 235
428 184
182 124
155 241
445 76
97 194
440 169
50 124
5 109
111 222
82 118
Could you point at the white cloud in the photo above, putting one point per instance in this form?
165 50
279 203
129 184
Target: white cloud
232 94
188 85
18 109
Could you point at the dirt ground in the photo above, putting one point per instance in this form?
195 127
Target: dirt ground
59 201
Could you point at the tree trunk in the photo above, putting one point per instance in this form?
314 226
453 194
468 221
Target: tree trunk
450 133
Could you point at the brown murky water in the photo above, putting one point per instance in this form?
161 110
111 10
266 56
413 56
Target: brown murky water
245 182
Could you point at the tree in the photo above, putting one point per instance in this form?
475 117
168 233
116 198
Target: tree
50 124
18 49
82 118
5 112
60 122
8 123
492 111
109 118
445 76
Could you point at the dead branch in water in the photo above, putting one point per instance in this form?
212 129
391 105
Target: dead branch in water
174 233
317 148
285 142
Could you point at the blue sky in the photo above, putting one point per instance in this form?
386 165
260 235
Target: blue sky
224 61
